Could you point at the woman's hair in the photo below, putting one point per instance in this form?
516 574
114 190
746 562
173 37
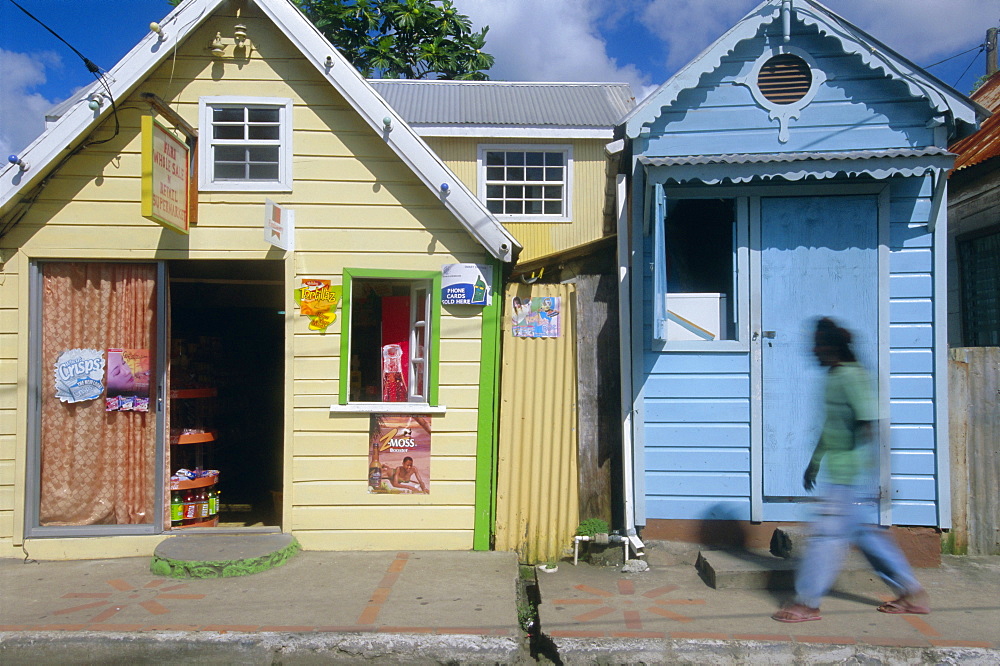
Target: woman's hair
828 334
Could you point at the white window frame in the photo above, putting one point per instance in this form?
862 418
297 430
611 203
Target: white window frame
567 183
656 234
206 163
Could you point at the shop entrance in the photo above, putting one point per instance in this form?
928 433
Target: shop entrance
226 383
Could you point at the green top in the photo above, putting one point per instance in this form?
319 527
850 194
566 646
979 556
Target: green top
849 400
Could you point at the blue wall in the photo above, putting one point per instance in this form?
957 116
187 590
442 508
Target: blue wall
697 405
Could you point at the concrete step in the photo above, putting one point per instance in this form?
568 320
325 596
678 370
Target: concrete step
759 570
221 556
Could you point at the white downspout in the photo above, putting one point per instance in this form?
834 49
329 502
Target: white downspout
625 360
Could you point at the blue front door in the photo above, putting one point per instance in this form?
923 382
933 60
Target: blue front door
818 258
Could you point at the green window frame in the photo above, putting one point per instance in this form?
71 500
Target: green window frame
426 324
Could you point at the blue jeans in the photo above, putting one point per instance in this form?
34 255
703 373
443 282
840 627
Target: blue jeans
841 521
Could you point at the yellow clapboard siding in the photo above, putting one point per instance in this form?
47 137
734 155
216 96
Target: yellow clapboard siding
314 264
8 446
385 540
443 468
316 368
8 350
8 420
330 444
354 492
308 343
458 373
6 472
401 516
320 420
8 319
459 397
7 528
383 242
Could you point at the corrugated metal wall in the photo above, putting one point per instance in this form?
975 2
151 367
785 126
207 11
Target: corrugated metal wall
537 495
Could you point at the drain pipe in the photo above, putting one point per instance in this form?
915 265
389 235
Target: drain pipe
600 539
625 356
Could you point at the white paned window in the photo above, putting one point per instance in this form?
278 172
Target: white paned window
245 144
526 182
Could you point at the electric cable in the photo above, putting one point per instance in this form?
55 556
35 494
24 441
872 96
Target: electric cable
979 47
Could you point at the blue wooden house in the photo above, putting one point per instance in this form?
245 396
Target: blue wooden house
795 169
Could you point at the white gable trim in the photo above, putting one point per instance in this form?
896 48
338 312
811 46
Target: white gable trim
314 47
943 99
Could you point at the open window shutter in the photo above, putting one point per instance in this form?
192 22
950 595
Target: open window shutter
659 264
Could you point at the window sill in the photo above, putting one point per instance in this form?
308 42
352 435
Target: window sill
244 187
387 408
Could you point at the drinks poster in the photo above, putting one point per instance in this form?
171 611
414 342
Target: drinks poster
399 454
536 317
128 380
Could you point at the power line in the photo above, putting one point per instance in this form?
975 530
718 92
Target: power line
980 47
91 67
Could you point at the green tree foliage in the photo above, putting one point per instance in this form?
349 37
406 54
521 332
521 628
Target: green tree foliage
410 39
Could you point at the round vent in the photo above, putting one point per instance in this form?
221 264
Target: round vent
784 79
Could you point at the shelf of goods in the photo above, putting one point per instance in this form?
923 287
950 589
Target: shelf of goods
194 502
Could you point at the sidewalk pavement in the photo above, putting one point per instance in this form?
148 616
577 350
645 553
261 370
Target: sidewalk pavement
462 607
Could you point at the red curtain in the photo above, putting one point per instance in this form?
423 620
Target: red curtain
97 467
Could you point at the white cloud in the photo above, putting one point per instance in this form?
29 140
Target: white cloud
22 111
921 30
550 40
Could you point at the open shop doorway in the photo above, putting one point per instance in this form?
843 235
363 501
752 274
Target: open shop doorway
226 393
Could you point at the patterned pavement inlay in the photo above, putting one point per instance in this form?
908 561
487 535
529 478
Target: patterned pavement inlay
125 594
625 601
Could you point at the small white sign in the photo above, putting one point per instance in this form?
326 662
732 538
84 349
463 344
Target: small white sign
466 284
279 226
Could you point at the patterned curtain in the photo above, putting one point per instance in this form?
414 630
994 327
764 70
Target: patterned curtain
97 467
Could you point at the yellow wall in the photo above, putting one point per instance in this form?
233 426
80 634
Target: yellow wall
356 206
588 191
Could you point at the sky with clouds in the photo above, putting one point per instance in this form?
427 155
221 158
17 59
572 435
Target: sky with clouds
642 42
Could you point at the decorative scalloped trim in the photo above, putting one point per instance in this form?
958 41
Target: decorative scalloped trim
852 39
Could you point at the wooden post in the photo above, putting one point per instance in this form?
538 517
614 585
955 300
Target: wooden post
991 51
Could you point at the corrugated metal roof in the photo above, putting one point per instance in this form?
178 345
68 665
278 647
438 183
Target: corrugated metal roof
988 94
984 144
506 103
762 158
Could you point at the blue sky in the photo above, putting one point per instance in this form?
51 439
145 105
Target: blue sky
641 42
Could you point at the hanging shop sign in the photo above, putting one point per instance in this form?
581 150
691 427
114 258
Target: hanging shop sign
279 226
537 317
165 179
466 284
128 380
318 300
399 454
79 375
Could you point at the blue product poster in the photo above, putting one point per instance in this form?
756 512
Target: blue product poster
536 318
79 375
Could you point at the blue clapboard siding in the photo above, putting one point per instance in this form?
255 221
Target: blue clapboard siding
697 434
720 115
697 406
911 357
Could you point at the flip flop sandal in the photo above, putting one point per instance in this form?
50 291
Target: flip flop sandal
902 607
797 613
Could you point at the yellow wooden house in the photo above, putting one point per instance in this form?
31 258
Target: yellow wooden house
239 292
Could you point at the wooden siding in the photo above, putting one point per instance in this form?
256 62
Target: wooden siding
356 206
587 190
720 115
697 406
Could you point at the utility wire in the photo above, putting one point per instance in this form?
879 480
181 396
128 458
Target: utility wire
91 67
979 47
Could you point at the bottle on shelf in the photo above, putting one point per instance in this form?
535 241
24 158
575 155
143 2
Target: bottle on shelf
176 508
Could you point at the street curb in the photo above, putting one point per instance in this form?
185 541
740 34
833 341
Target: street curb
65 647
731 652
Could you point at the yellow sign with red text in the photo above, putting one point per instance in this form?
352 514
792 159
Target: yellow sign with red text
165 179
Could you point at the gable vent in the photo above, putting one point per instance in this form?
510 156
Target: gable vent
784 79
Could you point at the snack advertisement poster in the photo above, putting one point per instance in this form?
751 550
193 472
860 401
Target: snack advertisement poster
128 380
79 375
537 317
318 300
